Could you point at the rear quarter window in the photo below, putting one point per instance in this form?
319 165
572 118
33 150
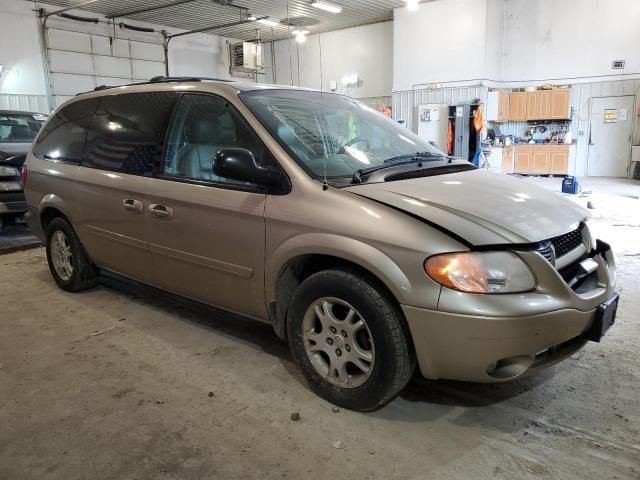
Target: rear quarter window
127 132
62 137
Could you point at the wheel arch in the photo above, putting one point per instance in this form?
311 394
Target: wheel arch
302 256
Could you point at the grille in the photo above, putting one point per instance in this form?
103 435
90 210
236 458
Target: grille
547 252
563 244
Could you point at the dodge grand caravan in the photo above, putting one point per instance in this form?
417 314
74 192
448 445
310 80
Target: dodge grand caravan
361 243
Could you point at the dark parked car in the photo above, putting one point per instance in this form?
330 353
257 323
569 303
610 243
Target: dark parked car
17 131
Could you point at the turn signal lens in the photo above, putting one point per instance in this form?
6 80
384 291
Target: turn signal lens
481 272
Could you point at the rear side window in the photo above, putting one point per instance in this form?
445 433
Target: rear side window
63 135
127 132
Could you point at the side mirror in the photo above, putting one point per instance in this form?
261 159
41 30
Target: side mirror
240 164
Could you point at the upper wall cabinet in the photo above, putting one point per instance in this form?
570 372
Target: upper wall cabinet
560 104
498 107
523 106
517 106
548 104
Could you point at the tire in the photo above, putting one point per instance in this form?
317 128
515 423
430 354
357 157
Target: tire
79 274
389 345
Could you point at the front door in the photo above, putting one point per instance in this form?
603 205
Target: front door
610 136
207 233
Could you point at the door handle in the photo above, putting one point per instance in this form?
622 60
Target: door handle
132 205
160 211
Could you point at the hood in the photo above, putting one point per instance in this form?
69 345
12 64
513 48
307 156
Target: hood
481 207
14 153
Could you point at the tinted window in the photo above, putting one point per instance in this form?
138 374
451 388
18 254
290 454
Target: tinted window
63 135
20 128
202 126
127 132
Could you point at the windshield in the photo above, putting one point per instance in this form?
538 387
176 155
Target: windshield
20 127
332 135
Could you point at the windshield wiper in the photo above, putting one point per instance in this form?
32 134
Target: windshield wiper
406 159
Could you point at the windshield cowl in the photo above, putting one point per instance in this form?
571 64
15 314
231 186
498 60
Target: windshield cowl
413 169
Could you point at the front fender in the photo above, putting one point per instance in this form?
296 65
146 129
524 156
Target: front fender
360 253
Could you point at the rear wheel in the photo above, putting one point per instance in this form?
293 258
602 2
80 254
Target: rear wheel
350 340
69 265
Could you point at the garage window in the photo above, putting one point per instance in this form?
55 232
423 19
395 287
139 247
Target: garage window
62 137
127 132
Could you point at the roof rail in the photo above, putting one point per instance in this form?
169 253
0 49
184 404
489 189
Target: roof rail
159 79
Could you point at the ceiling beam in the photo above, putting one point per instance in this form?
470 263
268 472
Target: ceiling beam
172 4
66 9
213 27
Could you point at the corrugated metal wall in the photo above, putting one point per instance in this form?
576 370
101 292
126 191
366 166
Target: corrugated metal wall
405 103
405 106
28 103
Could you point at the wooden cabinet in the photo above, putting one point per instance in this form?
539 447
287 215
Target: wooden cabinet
522 160
559 159
560 104
544 104
539 105
541 159
517 106
498 107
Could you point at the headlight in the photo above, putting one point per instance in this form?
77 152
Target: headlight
481 272
10 187
8 171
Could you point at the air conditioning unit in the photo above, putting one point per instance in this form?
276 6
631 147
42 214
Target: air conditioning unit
245 59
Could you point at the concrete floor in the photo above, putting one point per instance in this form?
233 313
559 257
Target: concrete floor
125 382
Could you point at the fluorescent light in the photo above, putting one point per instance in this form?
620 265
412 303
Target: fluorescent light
300 38
326 6
412 5
252 18
268 23
299 32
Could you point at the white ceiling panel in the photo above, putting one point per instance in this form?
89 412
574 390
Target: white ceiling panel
196 14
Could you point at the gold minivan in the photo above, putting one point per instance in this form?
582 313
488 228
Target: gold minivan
362 244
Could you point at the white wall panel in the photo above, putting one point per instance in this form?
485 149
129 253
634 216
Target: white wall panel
147 51
100 45
72 41
71 62
143 70
120 47
112 67
64 84
112 81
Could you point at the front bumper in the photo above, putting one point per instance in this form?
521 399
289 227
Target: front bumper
12 202
493 338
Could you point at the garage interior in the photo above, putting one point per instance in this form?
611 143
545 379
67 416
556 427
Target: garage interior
126 381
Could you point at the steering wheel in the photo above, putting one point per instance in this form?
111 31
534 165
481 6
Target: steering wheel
353 141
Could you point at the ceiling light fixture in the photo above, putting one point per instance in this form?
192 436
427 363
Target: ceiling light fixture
301 38
252 18
327 7
299 32
268 23
412 5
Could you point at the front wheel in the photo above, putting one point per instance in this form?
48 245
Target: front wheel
350 340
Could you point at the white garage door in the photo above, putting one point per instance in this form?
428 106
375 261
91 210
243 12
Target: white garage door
79 62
